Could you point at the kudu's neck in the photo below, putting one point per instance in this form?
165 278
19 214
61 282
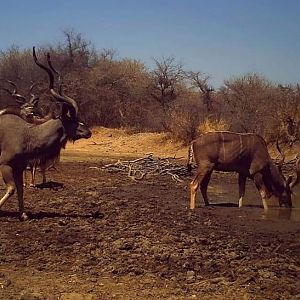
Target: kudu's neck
48 137
37 120
278 182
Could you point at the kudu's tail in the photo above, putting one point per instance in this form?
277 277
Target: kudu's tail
190 158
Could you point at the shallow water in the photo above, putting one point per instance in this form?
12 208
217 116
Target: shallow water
226 194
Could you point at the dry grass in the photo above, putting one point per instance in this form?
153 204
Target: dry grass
212 125
108 142
117 143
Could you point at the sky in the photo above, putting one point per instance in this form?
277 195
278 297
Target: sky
222 38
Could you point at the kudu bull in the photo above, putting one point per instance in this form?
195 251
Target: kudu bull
21 141
246 154
26 111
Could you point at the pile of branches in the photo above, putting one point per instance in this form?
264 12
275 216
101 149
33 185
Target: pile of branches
138 169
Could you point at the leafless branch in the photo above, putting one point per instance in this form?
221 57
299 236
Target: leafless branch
150 165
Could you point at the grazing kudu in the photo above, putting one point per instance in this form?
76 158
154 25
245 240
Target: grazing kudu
21 141
246 154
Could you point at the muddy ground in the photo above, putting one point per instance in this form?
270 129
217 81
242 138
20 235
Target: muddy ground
104 236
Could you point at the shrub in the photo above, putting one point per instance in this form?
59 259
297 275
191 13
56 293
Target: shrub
212 125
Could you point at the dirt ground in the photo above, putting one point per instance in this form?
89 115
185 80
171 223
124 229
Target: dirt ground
105 236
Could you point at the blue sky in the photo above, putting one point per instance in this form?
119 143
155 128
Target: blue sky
223 38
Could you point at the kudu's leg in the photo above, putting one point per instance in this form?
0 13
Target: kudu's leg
202 178
33 168
14 181
44 176
8 178
203 187
18 177
242 187
43 171
25 177
258 179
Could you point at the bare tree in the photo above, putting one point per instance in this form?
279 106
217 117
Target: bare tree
166 78
288 117
108 54
78 50
17 66
200 81
251 98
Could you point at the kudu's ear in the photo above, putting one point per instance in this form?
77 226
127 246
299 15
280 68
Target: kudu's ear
35 101
19 99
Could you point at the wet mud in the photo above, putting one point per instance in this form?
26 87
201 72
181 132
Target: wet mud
104 236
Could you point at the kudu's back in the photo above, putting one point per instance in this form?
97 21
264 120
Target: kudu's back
22 140
12 133
228 151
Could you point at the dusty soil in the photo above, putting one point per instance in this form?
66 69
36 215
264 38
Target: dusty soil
104 236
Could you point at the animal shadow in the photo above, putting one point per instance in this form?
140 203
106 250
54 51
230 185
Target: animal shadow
223 204
51 215
43 214
52 185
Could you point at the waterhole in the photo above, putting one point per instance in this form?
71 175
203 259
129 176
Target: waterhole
227 194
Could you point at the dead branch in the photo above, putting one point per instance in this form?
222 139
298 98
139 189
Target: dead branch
150 165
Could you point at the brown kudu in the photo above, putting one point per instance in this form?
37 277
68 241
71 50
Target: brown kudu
26 108
246 154
26 111
21 141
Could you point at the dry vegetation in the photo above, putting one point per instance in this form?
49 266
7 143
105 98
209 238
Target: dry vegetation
124 93
117 143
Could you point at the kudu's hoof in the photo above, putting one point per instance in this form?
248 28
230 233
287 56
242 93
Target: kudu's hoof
23 217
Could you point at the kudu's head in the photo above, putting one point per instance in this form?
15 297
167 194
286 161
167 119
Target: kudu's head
69 109
285 196
27 107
